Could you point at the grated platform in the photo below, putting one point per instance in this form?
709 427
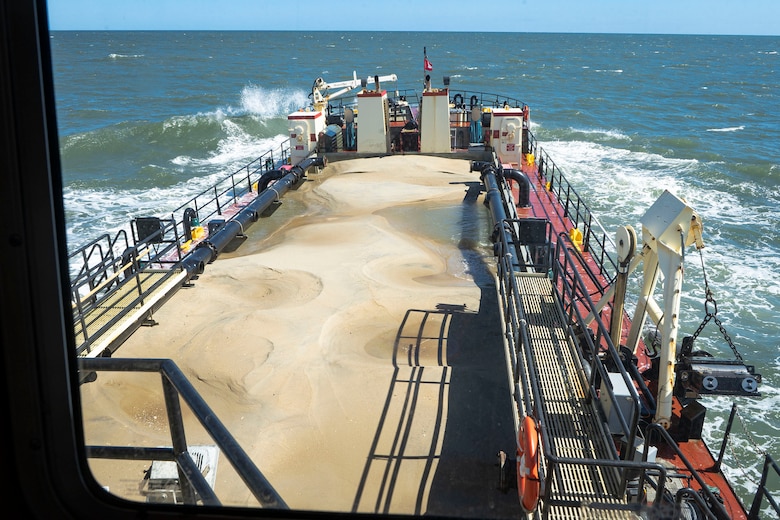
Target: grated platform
572 425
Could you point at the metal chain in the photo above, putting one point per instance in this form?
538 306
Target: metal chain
728 340
741 467
748 435
751 440
711 314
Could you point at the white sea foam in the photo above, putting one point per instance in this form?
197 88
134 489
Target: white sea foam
746 446
239 147
115 56
622 182
727 129
88 215
233 151
181 160
268 103
612 134
255 101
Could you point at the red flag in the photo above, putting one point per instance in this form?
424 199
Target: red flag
427 65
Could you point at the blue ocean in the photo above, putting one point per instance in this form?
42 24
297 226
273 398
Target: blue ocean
147 119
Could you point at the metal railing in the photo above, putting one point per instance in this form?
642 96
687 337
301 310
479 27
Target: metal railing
106 265
769 466
599 244
105 273
96 260
714 508
595 342
575 304
595 239
763 492
526 387
194 487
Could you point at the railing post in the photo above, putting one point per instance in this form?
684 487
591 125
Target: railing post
216 201
586 223
136 270
726 436
178 437
760 492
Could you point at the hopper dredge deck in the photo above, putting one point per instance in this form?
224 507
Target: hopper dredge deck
607 417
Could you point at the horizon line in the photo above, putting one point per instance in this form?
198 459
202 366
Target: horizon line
416 31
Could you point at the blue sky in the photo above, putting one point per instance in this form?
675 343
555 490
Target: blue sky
748 17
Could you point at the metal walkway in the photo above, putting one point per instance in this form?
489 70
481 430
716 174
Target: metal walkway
118 313
571 422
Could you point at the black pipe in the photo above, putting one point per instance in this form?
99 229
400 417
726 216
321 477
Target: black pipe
493 198
524 186
222 236
194 264
267 177
188 222
208 250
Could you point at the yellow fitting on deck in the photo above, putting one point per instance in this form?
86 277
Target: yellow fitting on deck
198 232
576 238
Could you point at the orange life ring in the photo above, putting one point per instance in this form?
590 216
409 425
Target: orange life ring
528 483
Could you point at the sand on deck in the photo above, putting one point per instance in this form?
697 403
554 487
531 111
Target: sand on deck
356 362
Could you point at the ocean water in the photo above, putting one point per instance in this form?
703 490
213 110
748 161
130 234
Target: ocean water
148 118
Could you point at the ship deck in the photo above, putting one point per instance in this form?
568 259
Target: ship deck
357 342
420 455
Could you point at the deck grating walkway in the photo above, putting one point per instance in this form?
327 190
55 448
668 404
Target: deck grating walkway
124 305
571 422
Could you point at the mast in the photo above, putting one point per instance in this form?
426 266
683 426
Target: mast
427 67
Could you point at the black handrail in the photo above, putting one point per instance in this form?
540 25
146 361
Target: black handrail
527 386
762 492
576 304
598 244
595 239
176 385
655 429
208 203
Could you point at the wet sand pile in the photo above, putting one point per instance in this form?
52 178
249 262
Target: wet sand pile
357 362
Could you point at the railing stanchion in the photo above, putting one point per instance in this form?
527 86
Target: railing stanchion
726 436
